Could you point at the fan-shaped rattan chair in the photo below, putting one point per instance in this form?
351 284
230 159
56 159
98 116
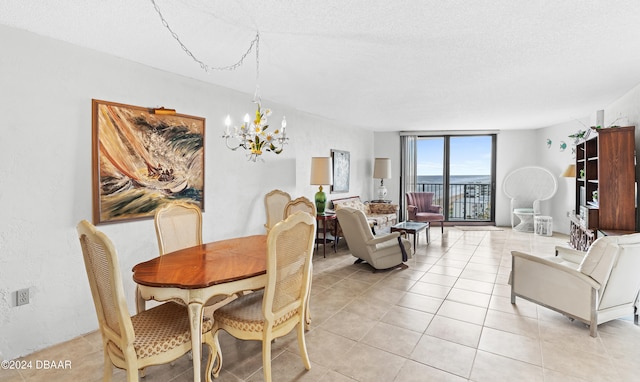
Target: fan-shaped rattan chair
280 307
274 203
155 336
527 187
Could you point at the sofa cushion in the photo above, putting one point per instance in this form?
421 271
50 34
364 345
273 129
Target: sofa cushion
356 204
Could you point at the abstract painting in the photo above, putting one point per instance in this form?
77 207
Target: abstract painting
341 163
143 159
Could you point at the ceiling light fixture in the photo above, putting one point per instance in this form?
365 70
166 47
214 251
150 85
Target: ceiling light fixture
252 135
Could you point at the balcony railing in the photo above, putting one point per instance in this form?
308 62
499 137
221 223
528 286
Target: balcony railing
468 201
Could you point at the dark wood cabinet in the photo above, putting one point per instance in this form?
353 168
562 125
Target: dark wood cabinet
605 164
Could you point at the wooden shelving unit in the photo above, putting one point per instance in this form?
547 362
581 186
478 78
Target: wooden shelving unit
607 163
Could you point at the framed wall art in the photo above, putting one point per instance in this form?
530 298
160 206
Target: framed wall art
143 159
341 163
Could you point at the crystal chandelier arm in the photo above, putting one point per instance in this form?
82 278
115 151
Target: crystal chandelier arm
204 66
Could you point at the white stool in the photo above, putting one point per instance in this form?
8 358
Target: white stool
526 219
543 225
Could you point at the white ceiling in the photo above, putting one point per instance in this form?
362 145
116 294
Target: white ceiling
381 64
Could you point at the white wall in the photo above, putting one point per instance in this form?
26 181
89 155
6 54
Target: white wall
46 89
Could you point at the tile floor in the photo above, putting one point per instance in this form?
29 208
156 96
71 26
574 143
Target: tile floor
445 318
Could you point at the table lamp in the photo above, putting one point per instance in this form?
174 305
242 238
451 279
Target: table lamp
382 170
321 174
570 172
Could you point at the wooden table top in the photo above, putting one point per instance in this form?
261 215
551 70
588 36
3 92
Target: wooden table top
207 264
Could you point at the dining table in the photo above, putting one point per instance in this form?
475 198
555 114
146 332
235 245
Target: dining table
196 274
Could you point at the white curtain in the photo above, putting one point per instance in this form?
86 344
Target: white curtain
408 171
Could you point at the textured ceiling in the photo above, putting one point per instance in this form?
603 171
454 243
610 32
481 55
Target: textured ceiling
383 65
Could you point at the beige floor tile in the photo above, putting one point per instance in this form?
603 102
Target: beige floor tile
373 309
420 302
413 371
460 332
349 325
462 312
522 348
512 323
469 297
580 364
367 327
444 355
473 285
408 318
490 367
367 363
432 290
438 279
392 339
522 307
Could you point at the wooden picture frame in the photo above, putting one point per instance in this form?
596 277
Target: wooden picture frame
143 159
341 171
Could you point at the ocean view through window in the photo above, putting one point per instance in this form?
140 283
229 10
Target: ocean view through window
459 171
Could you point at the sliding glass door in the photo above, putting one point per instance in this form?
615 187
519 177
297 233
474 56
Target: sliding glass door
460 171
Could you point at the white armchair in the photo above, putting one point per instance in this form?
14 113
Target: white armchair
381 251
594 287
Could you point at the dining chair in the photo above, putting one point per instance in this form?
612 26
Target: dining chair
305 205
152 337
299 204
281 306
178 226
274 203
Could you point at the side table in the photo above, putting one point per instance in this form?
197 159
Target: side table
324 218
413 228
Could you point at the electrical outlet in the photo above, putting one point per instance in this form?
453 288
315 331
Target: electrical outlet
22 297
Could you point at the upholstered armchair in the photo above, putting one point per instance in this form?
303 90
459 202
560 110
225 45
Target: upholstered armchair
420 208
594 287
381 251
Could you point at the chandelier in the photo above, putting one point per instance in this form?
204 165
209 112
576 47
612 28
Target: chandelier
253 135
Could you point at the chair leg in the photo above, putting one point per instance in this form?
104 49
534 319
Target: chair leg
218 367
266 359
302 344
108 366
442 227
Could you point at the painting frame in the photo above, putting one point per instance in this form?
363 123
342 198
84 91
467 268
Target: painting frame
142 159
341 171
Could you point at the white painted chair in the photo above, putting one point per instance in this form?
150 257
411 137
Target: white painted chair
274 203
527 187
594 287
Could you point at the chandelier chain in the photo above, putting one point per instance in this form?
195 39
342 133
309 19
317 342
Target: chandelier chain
205 67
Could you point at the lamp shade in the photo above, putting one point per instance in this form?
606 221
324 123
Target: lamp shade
570 172
321 171
382 168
